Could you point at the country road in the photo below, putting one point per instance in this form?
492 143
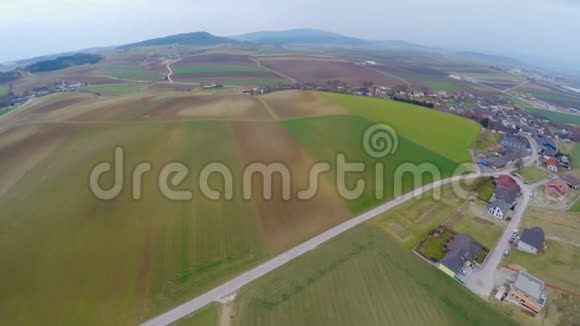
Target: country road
170 73
238 282
481 281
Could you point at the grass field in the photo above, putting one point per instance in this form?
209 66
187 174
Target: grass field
427 128
558 117
486 139
207 316
361 278
196 69
325 137
116 89
495 77
532 174
559 265
410 222
237 81
129 71
573 150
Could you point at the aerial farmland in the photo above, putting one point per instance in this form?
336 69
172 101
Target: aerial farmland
163 252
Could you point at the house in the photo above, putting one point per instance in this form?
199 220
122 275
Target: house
506 181
527 292
531 241
565 162
571 181
556 190
499 209
461 256
248 90
552 164
515 142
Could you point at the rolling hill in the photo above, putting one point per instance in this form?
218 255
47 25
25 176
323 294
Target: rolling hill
196 38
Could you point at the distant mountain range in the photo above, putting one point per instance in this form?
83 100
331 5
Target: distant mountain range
300 36
196 38
276 38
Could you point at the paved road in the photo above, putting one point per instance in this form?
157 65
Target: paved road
481 282
238 282
170 73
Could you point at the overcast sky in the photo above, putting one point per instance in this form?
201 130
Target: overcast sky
542 28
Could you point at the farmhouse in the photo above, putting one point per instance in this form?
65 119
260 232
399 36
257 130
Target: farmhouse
504 197
515 142
461 257
552 164
571 181
527 292
499 209
556 190
531 241
248 90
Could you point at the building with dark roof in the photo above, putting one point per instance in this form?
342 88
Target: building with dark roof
461 256
532 240
515 142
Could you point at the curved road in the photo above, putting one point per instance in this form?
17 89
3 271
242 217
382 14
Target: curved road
238 282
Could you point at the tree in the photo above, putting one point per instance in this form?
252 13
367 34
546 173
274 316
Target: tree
484 123
368 84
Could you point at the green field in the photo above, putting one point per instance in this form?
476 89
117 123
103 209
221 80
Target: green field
128 260
486 139
116 89
325 137
129 71
554 97
197 69
532 174
237 81
485 232
207 316
410 222
428 128
361 278
495 77
558 117
559 265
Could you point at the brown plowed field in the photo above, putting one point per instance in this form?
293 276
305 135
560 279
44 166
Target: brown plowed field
209 107
296 104
322 71
235 74
215 59
285 223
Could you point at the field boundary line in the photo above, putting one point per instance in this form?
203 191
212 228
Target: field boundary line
259 64
406 82
267 106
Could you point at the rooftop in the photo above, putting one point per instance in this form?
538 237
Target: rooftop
462 249
534 237
530 285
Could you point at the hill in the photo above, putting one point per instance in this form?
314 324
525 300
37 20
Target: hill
196 38
63 62
300 36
